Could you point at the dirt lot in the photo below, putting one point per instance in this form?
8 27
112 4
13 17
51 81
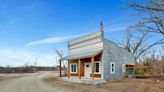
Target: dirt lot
124 85
4 77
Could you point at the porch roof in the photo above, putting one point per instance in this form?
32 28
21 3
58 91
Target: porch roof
83 55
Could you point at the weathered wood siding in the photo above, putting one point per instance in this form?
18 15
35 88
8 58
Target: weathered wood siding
96 75
86 43
113 53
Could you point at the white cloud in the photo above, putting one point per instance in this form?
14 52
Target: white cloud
20 57
12 21
122 28
117 27
51 40
66 38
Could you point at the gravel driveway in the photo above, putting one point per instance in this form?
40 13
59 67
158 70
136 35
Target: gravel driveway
29 83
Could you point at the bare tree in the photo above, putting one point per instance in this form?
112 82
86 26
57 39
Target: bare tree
138 36
155 62
60 55
137 42
152 12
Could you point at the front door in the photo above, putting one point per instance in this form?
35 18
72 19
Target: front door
87 70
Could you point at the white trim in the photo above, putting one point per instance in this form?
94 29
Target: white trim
71 67
112 68
99 67
102 69
123 68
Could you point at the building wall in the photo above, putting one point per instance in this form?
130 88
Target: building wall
113 53
86 43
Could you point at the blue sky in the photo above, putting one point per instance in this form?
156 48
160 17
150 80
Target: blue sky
34 28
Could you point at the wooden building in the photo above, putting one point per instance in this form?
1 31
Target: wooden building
92 56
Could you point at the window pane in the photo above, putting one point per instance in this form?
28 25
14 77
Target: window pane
112 67
96 67
73 68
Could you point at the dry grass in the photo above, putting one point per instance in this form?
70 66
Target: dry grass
124 85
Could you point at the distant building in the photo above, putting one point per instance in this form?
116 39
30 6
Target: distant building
93 56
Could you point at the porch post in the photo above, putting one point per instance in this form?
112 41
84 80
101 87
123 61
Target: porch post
60 68
68 69
92 62
79 68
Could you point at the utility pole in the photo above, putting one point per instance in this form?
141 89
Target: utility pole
35 63
60 68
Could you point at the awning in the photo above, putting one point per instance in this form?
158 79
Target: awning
87 54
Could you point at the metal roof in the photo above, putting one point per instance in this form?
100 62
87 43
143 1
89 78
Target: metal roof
83 55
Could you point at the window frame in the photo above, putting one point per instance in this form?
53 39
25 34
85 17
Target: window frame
112 68
71 67
99 67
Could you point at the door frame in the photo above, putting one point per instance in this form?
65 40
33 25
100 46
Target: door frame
85 69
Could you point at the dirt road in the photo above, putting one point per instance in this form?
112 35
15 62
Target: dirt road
34 82
29 83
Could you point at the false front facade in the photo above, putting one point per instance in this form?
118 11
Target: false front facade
92 56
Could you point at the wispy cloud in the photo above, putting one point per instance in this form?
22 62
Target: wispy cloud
117 27
21 57
66 38
51 40
12 21
121 28
32 5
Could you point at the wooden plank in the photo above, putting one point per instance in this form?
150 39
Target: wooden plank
79 68
92 62
96 75
74 74
136 66
82 68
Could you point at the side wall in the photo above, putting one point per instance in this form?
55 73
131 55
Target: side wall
113 53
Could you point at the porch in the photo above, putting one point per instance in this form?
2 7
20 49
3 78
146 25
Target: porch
85 66
82 80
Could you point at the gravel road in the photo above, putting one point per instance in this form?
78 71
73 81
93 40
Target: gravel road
30 83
